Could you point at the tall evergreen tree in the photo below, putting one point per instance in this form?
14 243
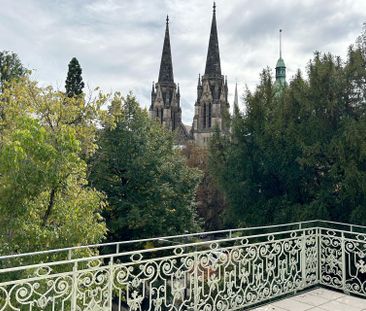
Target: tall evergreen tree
10 68
74 83
300 154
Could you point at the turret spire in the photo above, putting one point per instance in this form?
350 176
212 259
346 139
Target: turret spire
213 66
166 64
280 66
280 43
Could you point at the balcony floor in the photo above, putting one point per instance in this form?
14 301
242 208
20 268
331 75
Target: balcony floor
318 299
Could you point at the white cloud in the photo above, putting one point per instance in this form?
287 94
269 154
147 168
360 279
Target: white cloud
118 42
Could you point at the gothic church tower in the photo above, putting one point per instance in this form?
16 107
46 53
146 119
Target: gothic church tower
165 95
212 106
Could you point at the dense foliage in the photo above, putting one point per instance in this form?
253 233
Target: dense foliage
10 68
210 202
149 187
298 152
74 82
45 200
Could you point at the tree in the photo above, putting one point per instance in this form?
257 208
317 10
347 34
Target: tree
74 82
150 189
209 199
45 199
10 68
300 154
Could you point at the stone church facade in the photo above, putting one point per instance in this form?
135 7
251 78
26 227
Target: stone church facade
211 108
165 95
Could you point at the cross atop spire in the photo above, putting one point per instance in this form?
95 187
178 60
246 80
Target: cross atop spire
213 66
166 64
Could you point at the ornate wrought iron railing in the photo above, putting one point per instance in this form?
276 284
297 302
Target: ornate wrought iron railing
218 270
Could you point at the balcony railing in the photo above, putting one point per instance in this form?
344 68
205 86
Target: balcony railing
219 270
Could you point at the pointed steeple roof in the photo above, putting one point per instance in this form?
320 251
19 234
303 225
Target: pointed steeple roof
213 66
166 64
236 97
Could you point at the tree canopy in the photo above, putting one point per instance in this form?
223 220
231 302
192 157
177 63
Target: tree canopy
300 152
150 188
210 202
45 199
10 68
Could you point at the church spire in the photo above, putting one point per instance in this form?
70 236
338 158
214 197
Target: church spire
166 64
213 55
236 98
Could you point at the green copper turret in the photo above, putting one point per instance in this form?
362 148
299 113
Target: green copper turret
280 68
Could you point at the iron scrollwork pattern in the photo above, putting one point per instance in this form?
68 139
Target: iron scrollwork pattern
343 260
228 273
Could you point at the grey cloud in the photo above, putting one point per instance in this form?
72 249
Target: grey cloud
118 42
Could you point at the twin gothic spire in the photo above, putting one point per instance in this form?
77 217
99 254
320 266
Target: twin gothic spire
213 66
166 64
211 106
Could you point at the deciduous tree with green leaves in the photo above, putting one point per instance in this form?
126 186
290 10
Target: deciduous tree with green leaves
45 199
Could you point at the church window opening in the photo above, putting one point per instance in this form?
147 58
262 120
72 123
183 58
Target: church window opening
209 114
204 116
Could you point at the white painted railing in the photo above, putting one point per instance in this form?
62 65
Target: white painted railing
218 270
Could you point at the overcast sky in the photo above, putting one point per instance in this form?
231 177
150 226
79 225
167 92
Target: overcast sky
119 42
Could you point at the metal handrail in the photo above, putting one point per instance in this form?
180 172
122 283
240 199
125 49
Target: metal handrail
186 235
143 251
68 250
